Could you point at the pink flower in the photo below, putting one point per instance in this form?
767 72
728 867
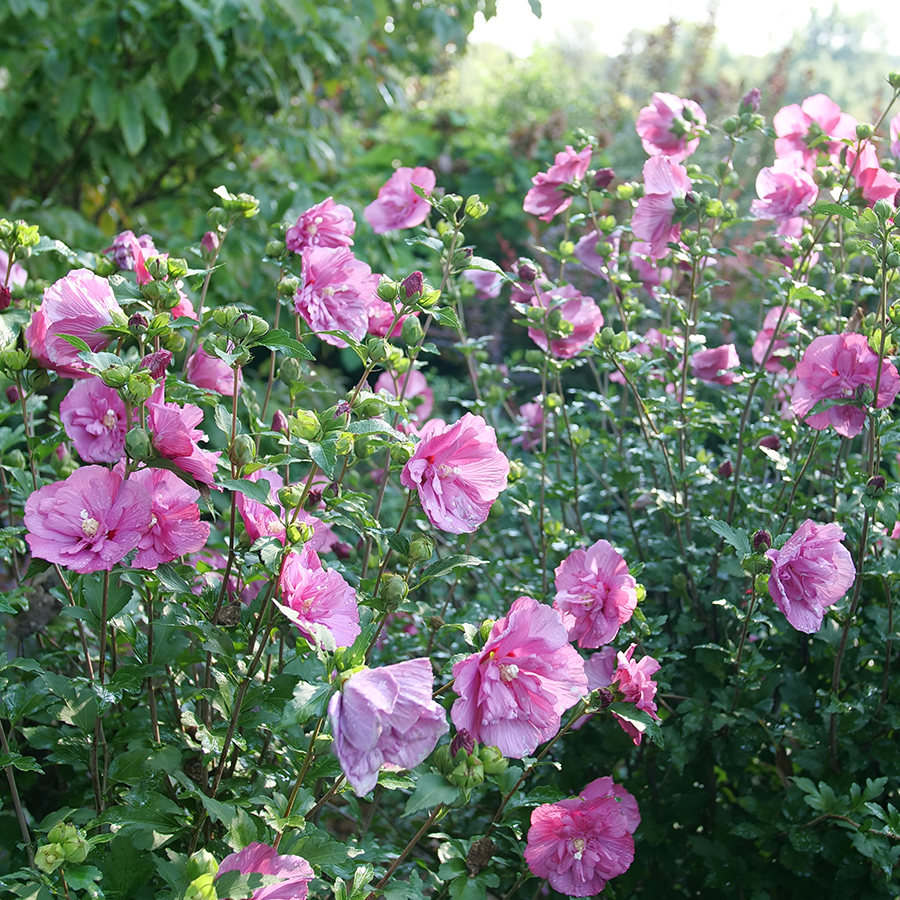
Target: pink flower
812 571
327 224
606 787
773 362
414 387
17 277
664 179
634 682
398 205
665 126
513 693
579 844
531 418
713 365
88 522
385 715
94 418
600 668
487 284
785 191
895 136
547 198
176 436
121 250
260 859
184 308
586 253
578 310
175 527
458 473
797 126
78 305
874 183
381 317
335 293
313 598
212 373
594 594
837 367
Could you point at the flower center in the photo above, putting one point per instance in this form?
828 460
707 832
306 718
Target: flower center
110 420
508 672
578 843
89 525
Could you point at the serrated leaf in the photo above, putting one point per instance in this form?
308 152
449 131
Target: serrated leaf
448 564
308 702
640 720
171 580
431 789
276 339
22 763
446 316
255 490
737 538
833 209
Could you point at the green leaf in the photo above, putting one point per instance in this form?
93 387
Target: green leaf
737 538
276 339
833 209
255 490
308 702
131 121
535 7
431 789
641 721
22 763
153 106
182 59
104 103
446 316
36 567
323 456
448 564
171 580
135 766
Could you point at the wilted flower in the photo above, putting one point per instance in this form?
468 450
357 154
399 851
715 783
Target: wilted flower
327 224
93 416
294 872
547 198
385 715
665 126
157 363
398 205
514 691
812 571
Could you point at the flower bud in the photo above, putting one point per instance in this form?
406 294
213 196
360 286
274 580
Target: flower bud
5 297
603 178
12 394
16 459
39 379
411 332
15 360
259 327
604 698
527 273
621 342
138 324
876 486
865 394
468 774
394 591
280 423
290 496
387 290
883 209
241 326
726 470
216 216
275 249
761 540
304 424
401 453
494 761
343 446
202 888
299 533
412 285
893 260
750 100
209 244
607 335
476 208
242 450
201 863
370 408
288 286
115 376
451 204
379 349
771 441
173 342
176 268
462 740
421 548
864 131
137 444
290 372
139 388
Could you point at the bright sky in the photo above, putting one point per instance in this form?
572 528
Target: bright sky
745 26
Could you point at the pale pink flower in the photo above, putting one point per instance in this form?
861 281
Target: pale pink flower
575 308
175 527
77 305
414 387
811 572
176 436
579 844
261 859
514 691
785 191
547 198
586 253
93 416
327 224
121 250
17 277
458 474
714 365
600 668
398 205
837 367
385 715
646 269
314 598
874 183
89 522
531 418
664 179
633 681
336 292
774 362
797 126
594 594
665 130
487 284
212 373
895 136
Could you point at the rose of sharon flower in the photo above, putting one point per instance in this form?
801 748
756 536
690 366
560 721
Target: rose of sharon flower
578 310
665 130
835 367
414 386
487 284
385 715
606 787
294 872
811 571
874 183
664 179
586 253
546 198
314 597
78 305
16 278
581 843
458 473
785 190
398 205
713 366
761 344
212 373
895 136
513 693
636 687
594 594
89 522
327 224
335 293
94 418
797 125
530 420
121 250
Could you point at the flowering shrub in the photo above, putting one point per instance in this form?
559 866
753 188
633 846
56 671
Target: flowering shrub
281 631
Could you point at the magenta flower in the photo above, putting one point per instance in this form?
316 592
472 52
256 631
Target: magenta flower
16 278
78 305
633 680
531 418
600 668
874 183
812 571
797 126
895 136
594 594
513 693
586 253
547 197
175 527
261 859
666 125
335 293
327 224
313 597
414 387
212 373
381 317
606 787
578 310
89 522
837 367
458 473
184 308
121 250
714 365
398 205
385 715
773 362
579 844
664 179
94 418
785 191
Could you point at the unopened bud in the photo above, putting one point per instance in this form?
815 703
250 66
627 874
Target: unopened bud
476 208
876 486
201 863
176 268
394 590
290 496
275 249
604 697
401 453
241 326
290 372
495 763
5 297
883 209
750 100
411 332
726 470
343 446
421 548
115 376
864 131
288 286
137 444
304 424
379 349
210 244
12 394
603 178
138 324
865 395
299 533
771 441
527 274
280 422
387 290
462 740
413 284
762 540
242 450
